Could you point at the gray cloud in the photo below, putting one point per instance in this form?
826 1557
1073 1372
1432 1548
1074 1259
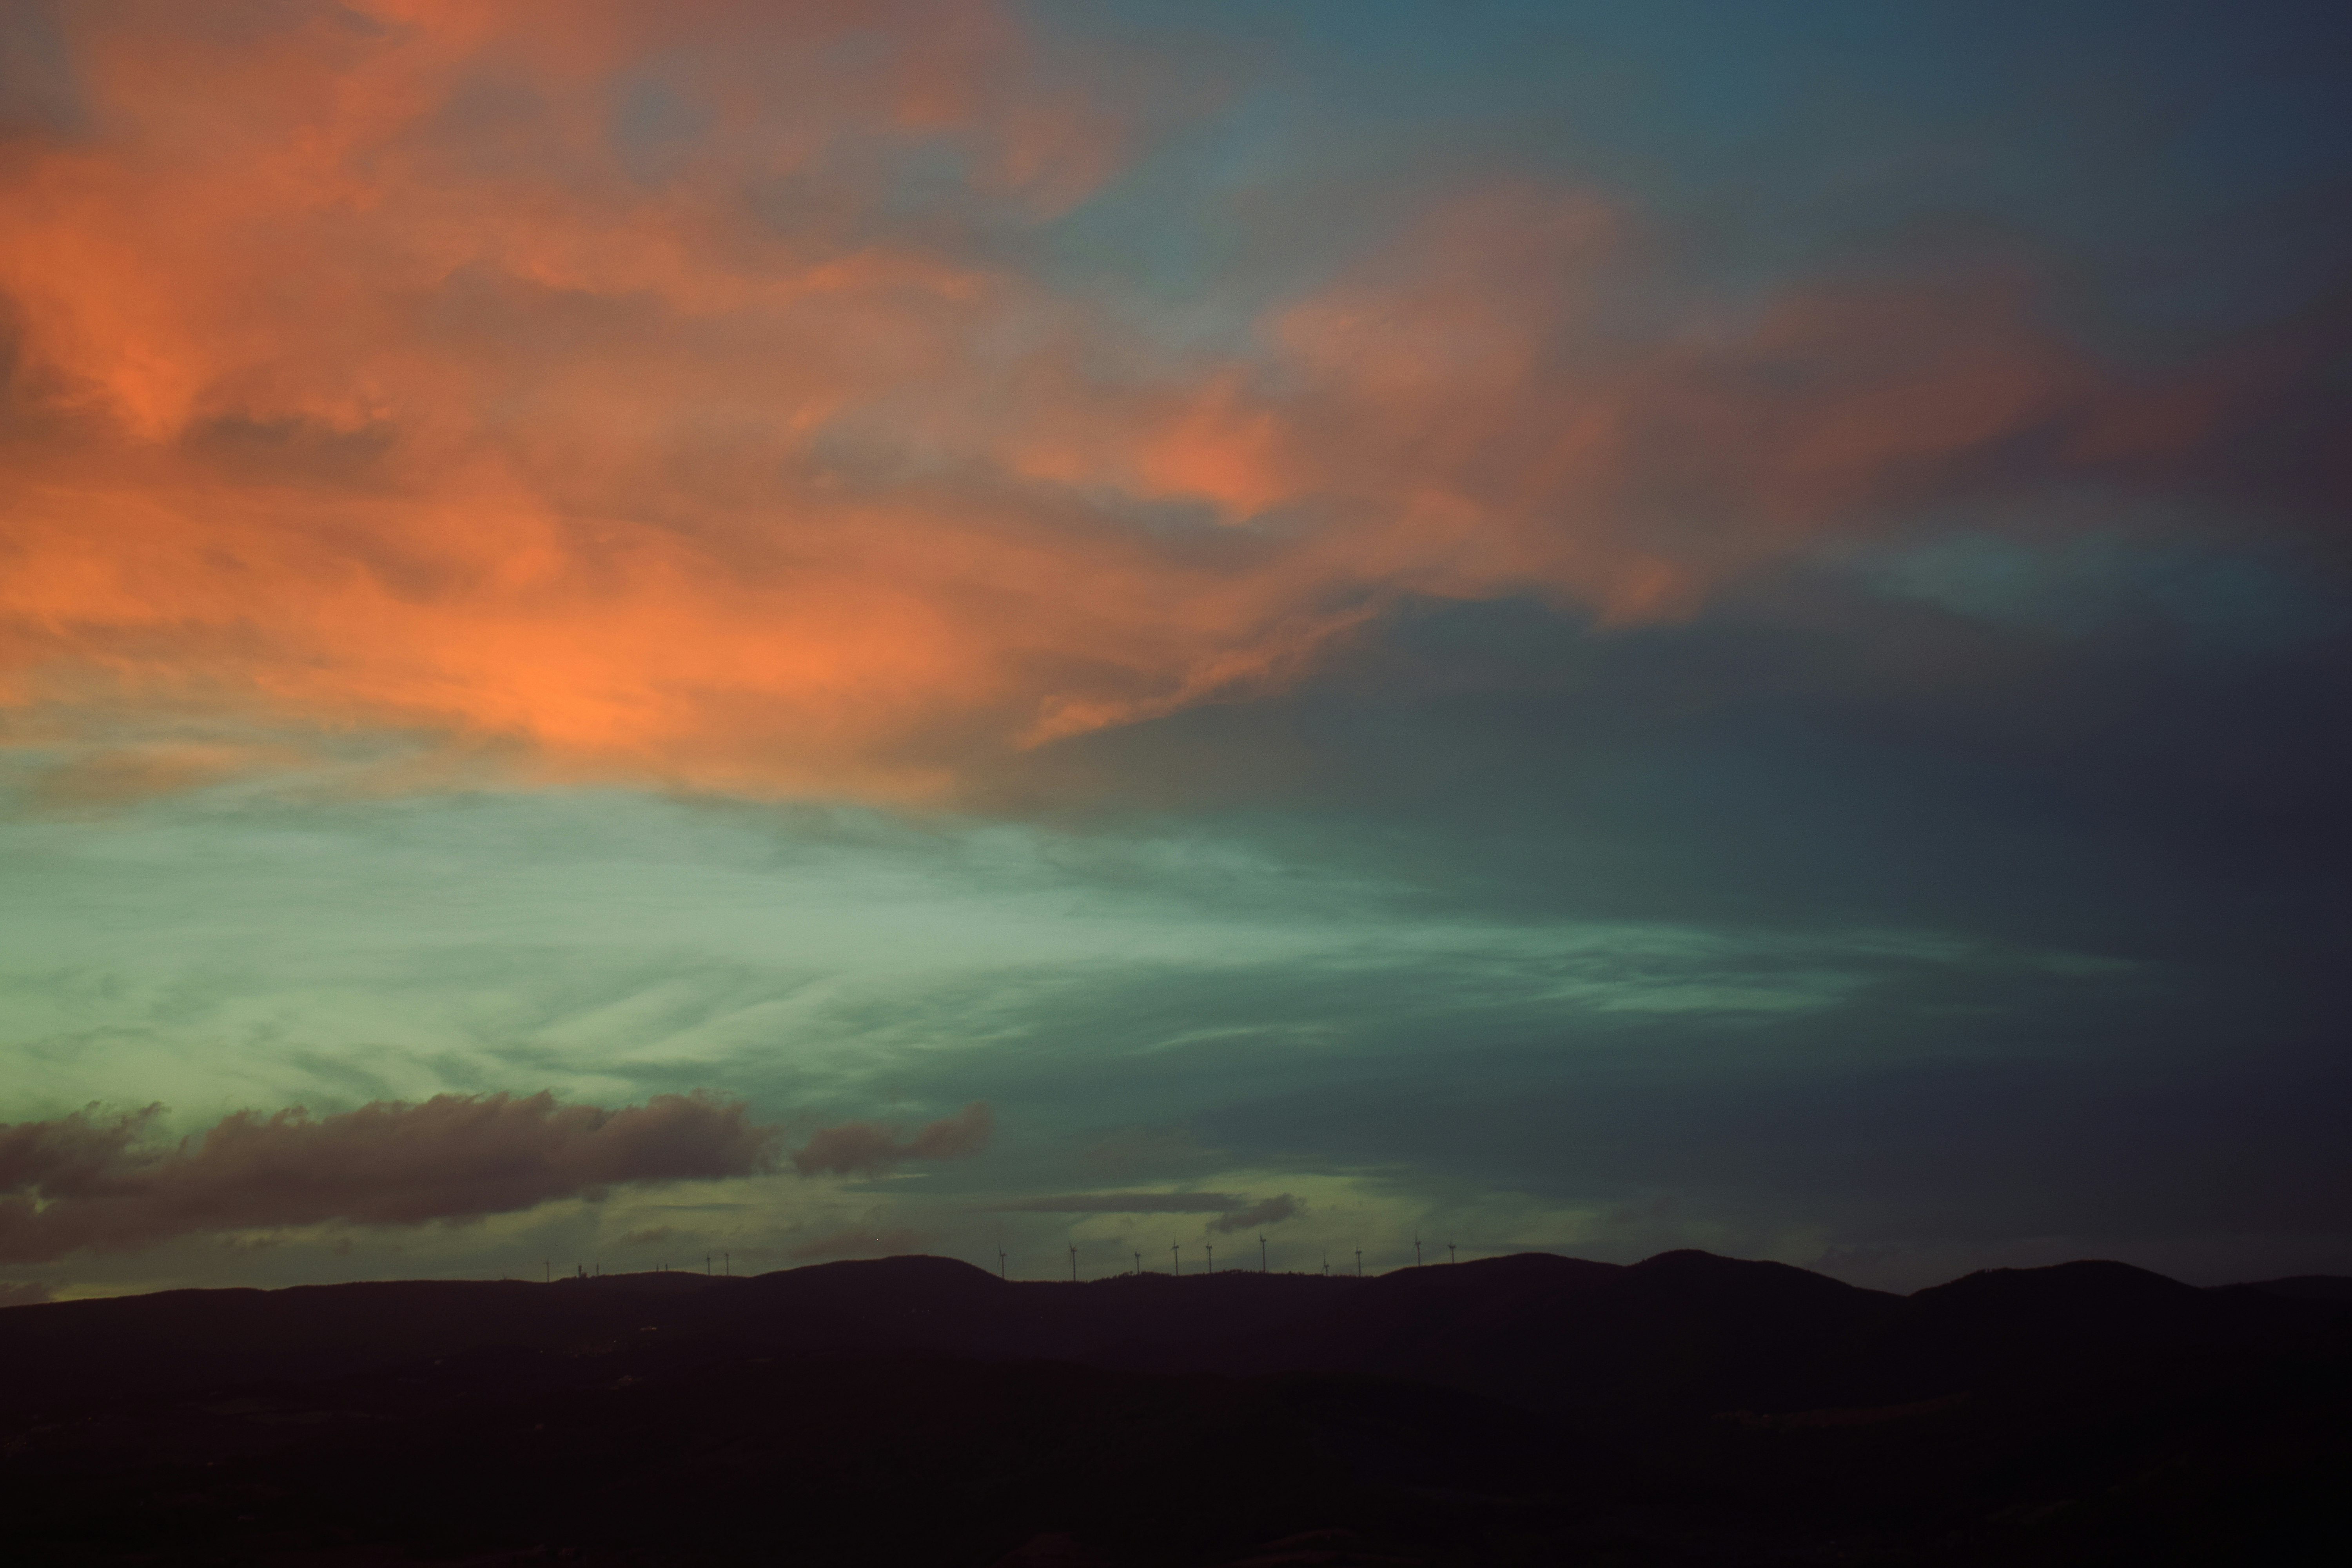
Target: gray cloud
1234 1212
1270 1212
868 1148
1125 1203
72 1154
87 1180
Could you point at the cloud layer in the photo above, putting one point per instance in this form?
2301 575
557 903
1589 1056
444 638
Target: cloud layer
869 1148
1233 1212
654 394
91 1181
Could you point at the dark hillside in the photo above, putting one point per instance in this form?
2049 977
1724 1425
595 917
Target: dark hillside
2335 1287
1686 1410
1682 1331
186 1340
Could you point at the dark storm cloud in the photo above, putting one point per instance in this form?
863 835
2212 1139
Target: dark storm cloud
869 1148
84 1181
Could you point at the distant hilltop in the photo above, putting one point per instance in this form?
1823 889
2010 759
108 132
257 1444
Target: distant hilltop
1679 1331
1685 1410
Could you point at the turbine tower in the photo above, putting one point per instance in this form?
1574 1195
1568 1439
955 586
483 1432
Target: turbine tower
1000 1265
1213 1257
1359 1263
1261 1252
1074 1263
1416 1251
1175 1261
1449 1254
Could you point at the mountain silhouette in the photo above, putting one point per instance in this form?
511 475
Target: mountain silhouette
1686 1408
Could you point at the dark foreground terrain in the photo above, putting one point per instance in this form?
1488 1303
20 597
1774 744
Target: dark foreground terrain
1688 1410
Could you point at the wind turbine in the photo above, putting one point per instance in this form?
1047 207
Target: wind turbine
1416 1251
1000 1265
1139 1266
1213 1257
1175 1261
1449 1254
1359 1263
1074 1263
1261 1252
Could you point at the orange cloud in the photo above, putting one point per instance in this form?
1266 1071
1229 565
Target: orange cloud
375 367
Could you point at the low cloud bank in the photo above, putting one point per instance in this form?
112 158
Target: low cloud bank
869 1148
1233 1211
1266 1212
93 1180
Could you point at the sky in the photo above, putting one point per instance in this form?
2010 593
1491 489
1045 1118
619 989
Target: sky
1064 632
